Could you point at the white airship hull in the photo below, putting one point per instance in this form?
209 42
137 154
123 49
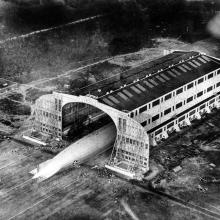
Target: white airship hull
78 152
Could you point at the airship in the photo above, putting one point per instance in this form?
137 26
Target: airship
77 153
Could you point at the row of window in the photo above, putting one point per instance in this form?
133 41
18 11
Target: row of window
132 154
58 105
178 105
122 124
179 120
50 129
49 115
133 157
73 107
178 91
133 142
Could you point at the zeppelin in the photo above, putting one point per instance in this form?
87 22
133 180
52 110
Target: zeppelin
78 152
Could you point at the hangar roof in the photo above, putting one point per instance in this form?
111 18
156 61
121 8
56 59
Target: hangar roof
114 82
166 77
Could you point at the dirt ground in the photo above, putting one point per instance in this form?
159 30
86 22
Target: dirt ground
91 192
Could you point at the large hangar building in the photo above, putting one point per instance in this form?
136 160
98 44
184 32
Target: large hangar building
146 103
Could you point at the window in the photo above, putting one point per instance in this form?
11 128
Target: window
160 79
175 71
209 89
181 118
170 125
164 76
199 94
123 96
141 87
148 84
167 111
124 125
132 114
212 101
218 84
155 118
135 89
171 73
192 112
218 72
183 69
59 105
187 67
179 105
179 91
200 80
113 99
210 75
158 132
144 123
192 64
189 99
143 109
168 96
127 93
190 86
56 101
202 60
157 102
202 106
197 63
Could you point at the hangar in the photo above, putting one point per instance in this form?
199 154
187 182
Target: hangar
146 103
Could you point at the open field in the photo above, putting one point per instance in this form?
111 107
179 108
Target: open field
91 192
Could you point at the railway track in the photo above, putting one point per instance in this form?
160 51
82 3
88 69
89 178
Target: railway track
23 36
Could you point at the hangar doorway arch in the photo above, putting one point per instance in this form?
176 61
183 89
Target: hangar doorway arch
131 148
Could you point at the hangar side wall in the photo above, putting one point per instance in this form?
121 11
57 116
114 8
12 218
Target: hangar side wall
48 115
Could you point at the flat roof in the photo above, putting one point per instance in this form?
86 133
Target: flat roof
190 66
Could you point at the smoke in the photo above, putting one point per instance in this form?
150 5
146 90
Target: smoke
214 26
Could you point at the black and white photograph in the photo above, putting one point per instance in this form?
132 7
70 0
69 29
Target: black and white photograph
109 109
